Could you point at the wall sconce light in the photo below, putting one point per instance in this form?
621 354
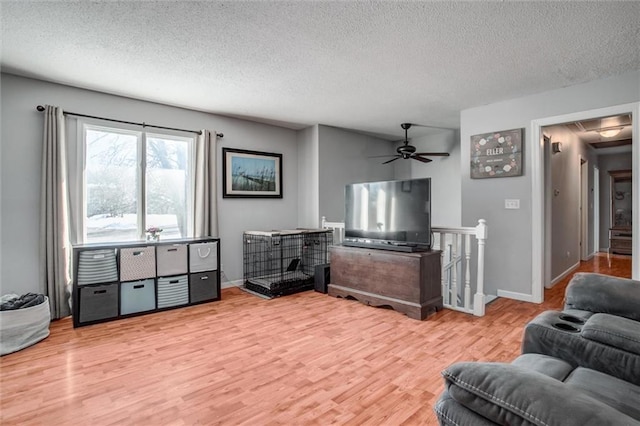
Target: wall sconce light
556 147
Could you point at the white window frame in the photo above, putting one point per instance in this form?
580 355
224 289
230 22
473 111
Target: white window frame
78 200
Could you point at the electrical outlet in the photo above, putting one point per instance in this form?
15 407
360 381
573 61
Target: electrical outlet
512 204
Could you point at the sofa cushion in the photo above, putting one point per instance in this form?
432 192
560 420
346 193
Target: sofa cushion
451 413
547 365
614 331
508 394
621 395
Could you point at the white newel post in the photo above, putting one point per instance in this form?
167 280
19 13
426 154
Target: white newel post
478 299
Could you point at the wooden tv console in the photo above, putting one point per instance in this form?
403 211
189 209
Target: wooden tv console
407 282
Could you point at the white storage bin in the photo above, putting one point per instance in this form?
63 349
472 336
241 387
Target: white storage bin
173 291
24 327
97 266
137 263
171 259
203 257
137 296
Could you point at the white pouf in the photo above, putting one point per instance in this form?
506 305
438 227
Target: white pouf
20 328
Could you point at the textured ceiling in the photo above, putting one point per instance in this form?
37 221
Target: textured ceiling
367 66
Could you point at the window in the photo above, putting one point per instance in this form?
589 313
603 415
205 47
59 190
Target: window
133 181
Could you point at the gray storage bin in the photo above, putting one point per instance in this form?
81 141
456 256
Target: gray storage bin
203 286
173 291
203 257
171 259
137 263
97 266
137 296
98 302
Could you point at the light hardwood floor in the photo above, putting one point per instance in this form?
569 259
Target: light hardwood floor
304 359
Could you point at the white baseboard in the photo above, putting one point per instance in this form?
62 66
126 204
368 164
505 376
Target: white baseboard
560 277
229 284
517 296
488 298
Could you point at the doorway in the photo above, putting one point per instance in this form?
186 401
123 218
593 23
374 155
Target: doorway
541 245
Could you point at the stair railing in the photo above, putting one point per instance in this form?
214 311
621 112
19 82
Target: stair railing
456 246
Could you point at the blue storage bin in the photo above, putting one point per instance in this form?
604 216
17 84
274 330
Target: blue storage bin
137 296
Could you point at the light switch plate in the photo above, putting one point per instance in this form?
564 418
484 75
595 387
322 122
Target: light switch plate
511 204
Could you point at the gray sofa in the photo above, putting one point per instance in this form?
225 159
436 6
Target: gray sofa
580 366
535 390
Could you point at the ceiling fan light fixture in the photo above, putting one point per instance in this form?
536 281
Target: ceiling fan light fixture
609 133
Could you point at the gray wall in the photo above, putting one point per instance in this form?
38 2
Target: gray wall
308 178
446 209
343 160
508 252
22 128
607 163
565 199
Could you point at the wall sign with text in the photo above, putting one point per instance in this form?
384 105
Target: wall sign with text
496 154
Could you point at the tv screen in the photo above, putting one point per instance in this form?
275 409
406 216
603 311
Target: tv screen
393 215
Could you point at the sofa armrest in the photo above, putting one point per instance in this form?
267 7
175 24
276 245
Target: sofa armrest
506 394
604 294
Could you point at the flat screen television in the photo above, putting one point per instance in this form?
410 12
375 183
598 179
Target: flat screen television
391 215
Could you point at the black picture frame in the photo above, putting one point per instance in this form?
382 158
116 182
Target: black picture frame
251 174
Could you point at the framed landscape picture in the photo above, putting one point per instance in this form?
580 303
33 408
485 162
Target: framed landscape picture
496 154
251 174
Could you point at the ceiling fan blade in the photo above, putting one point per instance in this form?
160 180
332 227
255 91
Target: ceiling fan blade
393 159
433 154
424 160
431 127
381 156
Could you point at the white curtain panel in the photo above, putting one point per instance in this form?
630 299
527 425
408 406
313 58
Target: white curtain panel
55 247
206 201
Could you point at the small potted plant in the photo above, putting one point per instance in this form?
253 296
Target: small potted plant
153 233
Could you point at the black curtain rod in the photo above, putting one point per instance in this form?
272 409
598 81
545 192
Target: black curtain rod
143 124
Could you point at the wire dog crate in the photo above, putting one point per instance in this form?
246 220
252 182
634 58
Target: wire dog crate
277 263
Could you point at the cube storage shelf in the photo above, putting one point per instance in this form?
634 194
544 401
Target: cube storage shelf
121 280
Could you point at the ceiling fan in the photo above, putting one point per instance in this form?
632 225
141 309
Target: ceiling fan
407 151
